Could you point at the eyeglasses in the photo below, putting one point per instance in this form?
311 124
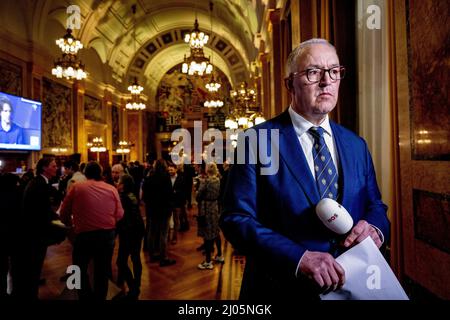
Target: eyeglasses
316 74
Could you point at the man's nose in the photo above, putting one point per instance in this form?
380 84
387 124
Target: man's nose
325 80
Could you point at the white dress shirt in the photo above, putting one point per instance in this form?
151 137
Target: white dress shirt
301 127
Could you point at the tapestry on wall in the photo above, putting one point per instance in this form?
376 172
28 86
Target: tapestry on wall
93 109
56 115
115 126
429 78
10 78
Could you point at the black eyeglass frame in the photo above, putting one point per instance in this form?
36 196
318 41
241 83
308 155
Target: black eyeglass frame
322 73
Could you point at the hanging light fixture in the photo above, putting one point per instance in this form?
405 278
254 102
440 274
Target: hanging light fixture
244 104
97 145
213 103
196 63
257 118
123 147
68 43
230 121
244 97
135 89
69 66
196 39
213 85
134 104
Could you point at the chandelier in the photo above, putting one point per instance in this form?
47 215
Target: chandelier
196 63
69 66
213 85
123 147
213 103
230 122
135 89
135 103
255 119
196 39
244 97
96 145
244 104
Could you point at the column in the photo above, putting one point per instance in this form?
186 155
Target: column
276 67
265 85
80 138
107 102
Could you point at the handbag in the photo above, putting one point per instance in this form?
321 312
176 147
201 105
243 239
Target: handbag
56 233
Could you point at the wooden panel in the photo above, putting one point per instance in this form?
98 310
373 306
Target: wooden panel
343 36
306 20
432 218
426 261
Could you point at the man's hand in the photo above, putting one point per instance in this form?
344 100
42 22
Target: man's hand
360 232
323 269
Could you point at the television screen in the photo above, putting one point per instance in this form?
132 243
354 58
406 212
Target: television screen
20 123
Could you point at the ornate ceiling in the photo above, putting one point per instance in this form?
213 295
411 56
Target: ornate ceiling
107 27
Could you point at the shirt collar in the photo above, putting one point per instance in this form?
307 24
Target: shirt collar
45 178
301 125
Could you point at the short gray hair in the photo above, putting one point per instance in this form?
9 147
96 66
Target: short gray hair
292 60
118 167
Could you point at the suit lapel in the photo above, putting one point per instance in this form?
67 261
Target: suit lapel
292 154
346 162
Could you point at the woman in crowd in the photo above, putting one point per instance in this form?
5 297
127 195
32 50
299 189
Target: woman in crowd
131 232
208 196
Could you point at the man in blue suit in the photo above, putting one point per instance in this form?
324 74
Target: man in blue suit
271 218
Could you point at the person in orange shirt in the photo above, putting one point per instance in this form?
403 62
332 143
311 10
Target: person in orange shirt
94 207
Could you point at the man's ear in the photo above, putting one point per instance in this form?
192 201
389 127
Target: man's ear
288 82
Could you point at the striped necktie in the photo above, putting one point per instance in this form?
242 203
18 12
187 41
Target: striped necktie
325 170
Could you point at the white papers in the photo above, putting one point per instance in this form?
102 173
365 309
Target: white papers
367 276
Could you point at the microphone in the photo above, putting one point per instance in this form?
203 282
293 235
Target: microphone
334 216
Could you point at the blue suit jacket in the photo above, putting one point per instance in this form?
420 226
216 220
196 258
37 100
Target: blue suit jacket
271 218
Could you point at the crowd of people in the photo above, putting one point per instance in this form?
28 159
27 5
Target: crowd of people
96 209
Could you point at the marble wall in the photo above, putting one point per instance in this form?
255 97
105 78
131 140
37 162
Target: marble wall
429 78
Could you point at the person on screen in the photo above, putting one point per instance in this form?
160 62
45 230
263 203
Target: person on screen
10 132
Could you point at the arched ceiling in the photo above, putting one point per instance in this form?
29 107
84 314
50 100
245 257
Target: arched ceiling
158 67
108 27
